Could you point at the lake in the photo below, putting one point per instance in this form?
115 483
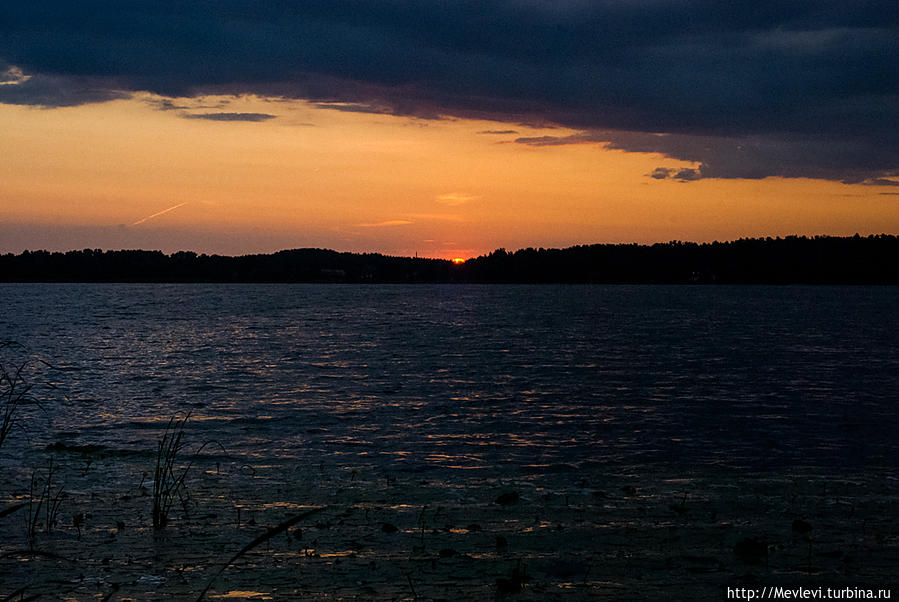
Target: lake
595 400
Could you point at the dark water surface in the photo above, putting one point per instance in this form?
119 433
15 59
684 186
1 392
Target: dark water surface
413 378
644 434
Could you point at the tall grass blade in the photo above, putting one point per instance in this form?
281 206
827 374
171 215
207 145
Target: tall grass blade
262 538
11 509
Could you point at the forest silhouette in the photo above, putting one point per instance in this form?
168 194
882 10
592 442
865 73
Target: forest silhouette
790 260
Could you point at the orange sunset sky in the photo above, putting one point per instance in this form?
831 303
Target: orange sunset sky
242 167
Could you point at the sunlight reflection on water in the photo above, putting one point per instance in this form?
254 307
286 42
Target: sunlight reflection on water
459 377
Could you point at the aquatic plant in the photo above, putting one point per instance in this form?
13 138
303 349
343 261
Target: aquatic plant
46 499
14 391
408 575
168 479
166 485
280 528
515 583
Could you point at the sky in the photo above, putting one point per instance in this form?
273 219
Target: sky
444 129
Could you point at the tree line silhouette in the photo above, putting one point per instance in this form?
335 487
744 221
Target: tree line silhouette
794 259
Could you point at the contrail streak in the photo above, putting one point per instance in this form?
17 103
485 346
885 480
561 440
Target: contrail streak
149 217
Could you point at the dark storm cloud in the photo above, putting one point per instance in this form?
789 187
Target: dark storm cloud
166 104
19 88
231 116
851 159
688 175
788 75
883 182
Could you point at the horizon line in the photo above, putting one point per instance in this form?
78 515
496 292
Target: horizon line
462 260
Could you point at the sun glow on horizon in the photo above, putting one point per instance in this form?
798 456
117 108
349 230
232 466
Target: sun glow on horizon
81 176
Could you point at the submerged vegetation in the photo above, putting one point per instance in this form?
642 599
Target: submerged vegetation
794 259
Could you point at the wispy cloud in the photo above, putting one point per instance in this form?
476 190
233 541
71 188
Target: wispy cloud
386 224
882 182
455 199
354 107
440 217
254 117
157 214
13 76
685 174
162 103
